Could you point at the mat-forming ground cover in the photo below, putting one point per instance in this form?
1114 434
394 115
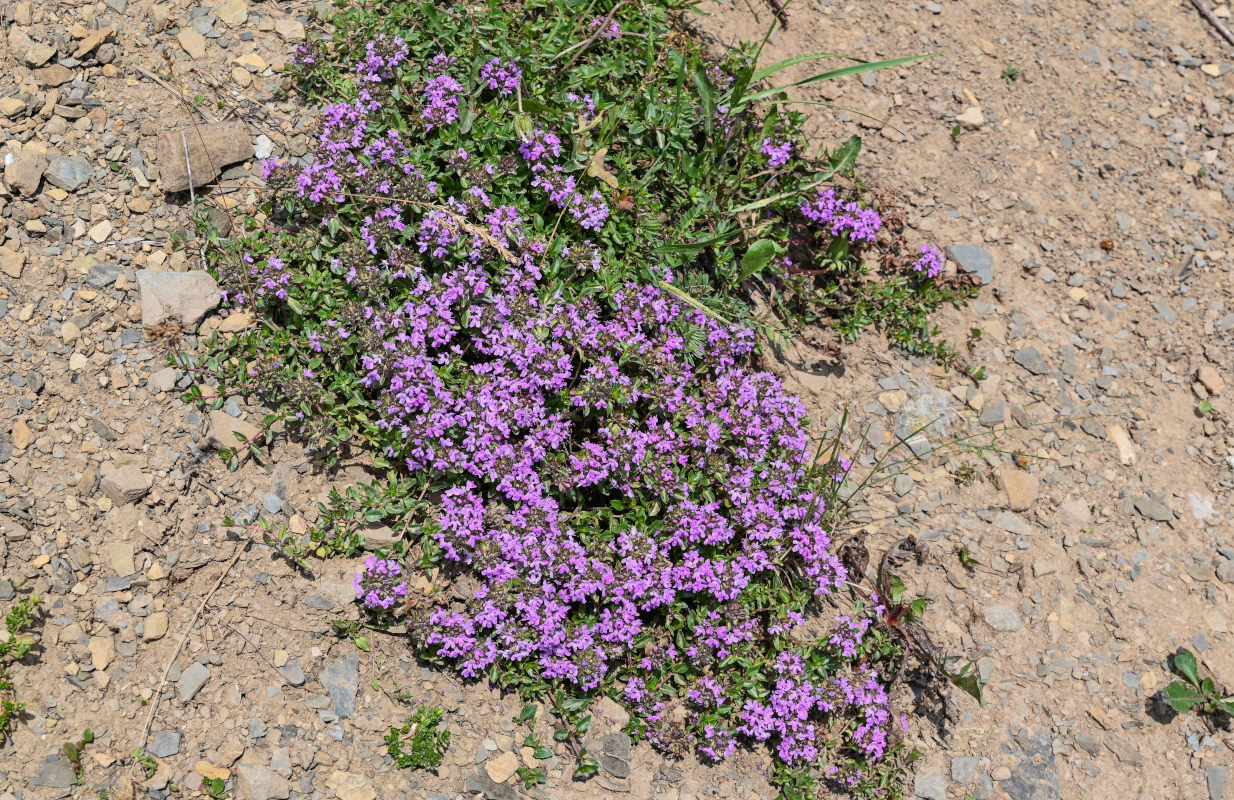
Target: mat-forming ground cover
518 270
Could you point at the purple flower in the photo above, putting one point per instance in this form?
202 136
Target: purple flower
379 584
504 77
931 261
840 218
777 153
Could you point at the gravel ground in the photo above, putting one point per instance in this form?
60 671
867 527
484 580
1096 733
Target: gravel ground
1091 193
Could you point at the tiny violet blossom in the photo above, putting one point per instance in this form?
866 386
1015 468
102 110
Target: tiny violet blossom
502 76
931 261
379 585
778 153
610 31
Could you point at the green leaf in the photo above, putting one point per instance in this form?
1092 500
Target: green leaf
543 753
852 69
767 72
363 643
694 247
757 257
970 683
528 712
706 93
1181 697
1186 664
843 159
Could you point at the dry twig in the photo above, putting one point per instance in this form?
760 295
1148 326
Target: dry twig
154 701
1207 13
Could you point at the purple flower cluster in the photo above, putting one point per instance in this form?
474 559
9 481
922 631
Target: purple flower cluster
539 151
541 418
441 94
838 217
610 31
931 261
501 76
380 585
778 153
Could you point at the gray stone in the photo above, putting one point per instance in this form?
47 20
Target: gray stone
56 773
1088 743
259 782
1035 776
103 274
342 680
973 259
930 786
1153 509
107 610
613 752
964 769
1126 752
272 503
165 743
118 6
293 672
7 592
1012 523
994 414
1002 618
478 782
191 681
184 297
68 173
1216 777
318 602
1225 570
376 536
1031 360
985 787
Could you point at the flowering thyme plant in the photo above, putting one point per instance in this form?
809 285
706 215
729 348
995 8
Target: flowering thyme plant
484 276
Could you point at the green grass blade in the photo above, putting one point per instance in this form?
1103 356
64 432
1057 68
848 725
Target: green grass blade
767 72
851 69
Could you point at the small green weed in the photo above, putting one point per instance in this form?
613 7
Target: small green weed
149 764
1010 74
418 744
73 750
13 648
1194 692
214 787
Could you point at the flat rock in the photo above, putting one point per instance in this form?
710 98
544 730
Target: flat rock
292 672
1013 524
193 42
103 274
479 782
964 769
12 262
350 786
1002 618
1021 488
502 767
25 172
165 744
92 40
102 651
1124 750
184 297
228 432
125 485
1211 379
210 148
613 752
68 173
155 626
1216 777
56 774
259 782
234 12
930 786
341 680
162 381
1031 360
190 682
973 259
38 55
1151 508
290 29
